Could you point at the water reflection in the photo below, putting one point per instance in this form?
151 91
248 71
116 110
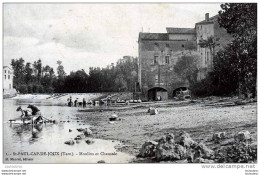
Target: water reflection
24 130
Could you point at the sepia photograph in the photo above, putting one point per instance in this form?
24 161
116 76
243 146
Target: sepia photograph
129 83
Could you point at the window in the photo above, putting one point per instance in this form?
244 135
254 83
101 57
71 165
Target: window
167 59
156 78
182 45
8 76
206 57
167 45
156 46
5 77
5 71
155 59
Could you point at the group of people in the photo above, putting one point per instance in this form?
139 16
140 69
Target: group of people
34 114
76 102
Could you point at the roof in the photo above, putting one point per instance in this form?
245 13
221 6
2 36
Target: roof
6 67
173 45
153 36
180 30
211 20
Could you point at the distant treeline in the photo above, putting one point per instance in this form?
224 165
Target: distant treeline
38 78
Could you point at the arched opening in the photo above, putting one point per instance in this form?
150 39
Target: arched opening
157 94
181 93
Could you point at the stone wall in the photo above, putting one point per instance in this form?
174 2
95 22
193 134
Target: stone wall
161 73
204 31
155 70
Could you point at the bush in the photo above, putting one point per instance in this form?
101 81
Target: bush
237 153
40 89
203 88
22 88
49 90
35 88
30 88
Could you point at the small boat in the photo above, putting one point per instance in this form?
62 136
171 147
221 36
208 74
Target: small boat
32 120
19 121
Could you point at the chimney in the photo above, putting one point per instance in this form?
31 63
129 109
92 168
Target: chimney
207 17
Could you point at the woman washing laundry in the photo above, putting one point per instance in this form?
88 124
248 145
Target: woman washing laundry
36 114
25 114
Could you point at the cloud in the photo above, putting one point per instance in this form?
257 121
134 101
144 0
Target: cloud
84 35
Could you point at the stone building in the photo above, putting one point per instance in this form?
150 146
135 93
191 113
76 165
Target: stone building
8 89
8 78
159 52
209 28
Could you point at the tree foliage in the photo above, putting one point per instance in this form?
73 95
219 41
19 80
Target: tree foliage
240 20
32 79
39 78
186 68
235 66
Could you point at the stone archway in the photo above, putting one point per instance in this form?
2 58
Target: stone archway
157 94
184 90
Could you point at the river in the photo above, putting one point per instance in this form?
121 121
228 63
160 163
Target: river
45 143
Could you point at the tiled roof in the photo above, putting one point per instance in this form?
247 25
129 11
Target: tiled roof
153 36
212 19
180 30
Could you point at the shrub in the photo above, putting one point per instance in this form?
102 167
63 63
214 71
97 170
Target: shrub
22 88
237 153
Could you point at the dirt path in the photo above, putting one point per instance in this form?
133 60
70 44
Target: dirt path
200 121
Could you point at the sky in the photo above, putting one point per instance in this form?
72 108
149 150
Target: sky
89 35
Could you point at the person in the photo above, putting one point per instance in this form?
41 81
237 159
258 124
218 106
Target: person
84 103
76 102
70 102
109 100
36 114
25 113
35 110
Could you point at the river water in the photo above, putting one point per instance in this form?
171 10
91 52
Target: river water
45 143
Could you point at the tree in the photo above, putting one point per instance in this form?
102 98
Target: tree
59 83
186 68
18 68
28 77
37 65
48 79
210 43
36 79
60 70
76 82
240 20
120 83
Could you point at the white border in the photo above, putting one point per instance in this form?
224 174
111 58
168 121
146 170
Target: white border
144 169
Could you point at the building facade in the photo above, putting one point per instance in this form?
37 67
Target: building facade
7 78
205 30
159 52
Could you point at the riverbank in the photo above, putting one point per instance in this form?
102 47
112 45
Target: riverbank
198 118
